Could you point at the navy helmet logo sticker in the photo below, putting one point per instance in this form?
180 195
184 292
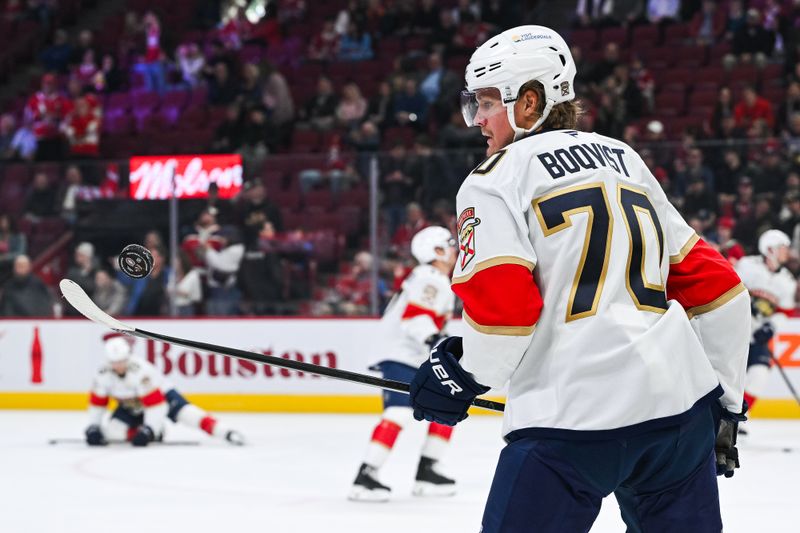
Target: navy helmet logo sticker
466 235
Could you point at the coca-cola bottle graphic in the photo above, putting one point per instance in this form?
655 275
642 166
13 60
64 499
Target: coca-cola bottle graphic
36 357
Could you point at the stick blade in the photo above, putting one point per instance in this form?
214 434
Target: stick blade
85 306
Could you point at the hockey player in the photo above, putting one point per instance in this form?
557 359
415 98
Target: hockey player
145 399
615 326
412 323
772 293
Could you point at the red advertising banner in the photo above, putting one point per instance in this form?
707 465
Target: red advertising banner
151 176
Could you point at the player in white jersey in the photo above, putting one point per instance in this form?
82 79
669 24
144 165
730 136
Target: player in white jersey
145 399
412 323
772 292
615 326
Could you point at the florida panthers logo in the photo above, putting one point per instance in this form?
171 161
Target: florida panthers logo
466 235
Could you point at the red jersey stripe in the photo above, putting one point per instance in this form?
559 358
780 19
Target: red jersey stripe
98 401
502 299
154 397
413 310
702 277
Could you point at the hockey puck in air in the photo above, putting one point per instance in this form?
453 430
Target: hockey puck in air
136 261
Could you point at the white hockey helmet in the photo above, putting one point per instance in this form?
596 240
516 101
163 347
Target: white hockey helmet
509 60
771 240
118 347
426 241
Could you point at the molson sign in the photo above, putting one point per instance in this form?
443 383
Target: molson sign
151 176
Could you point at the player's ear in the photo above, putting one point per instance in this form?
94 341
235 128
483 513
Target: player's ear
529 102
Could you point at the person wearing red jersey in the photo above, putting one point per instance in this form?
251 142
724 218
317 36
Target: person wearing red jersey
145 400
413 322
82 129
622 336
45 110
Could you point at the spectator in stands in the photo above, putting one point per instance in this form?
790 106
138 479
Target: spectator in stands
8 128
352 290
790 219
46 109
25 295
41 199
593 13
438 87
752 43
324 45
605 67
791 137
696 169
662 11
148 296
645 82
455 134
628 92
352 107
222 271
82 270
220 208
205 232
109 79
151 64
471 33
734 19
222 88
191 63
409 106
335 169
771 172
725 243
108 294
380 106
729 173
277 99
697 196
85 43
415 221
153 239
68 194
355 45
427 17
708 24
56 57
366 140
397 184
432 170
82 130
320 110
16 143
12 244
258 137
723 108
753 108
188 292
260 274
87 69
788 107
610 118
228 135
255 208
251 86
443 40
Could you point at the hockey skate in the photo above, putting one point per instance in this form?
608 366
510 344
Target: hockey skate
366 488
235 438
430 482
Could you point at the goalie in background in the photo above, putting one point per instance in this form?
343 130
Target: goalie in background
413 322
144 401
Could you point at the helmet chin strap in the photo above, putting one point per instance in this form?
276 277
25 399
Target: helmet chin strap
519 133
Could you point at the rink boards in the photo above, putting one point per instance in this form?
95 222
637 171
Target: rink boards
49 364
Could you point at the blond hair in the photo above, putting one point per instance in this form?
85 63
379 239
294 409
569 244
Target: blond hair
563 116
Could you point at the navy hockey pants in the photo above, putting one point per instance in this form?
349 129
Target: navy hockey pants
175 401
664 480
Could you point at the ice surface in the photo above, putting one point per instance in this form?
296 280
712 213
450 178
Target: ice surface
294 476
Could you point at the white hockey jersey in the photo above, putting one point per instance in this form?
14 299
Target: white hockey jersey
141 390
584 286
778 289
421 309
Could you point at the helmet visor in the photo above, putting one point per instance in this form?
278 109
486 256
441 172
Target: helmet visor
477 106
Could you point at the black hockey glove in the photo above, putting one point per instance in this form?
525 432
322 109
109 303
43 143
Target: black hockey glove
94 436
764 333
727 425
144 436
441 390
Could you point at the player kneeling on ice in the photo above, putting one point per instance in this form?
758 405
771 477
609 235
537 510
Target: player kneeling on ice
144 400
413 323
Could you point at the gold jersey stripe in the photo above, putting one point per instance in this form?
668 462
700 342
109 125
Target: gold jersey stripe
677 258
719 302
512 331
494 261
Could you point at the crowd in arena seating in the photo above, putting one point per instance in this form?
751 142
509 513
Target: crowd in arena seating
707 91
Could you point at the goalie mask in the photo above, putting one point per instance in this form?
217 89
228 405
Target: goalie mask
507 61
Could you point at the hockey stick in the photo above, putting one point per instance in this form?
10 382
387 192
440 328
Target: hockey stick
81 301
785 378
53 442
